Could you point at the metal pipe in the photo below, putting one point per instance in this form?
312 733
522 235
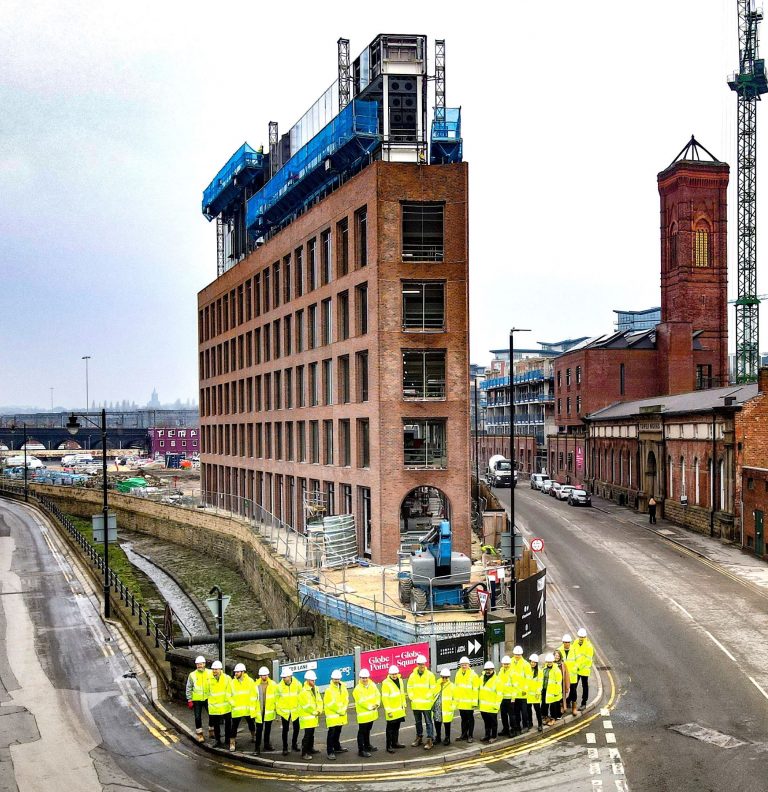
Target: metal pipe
248 635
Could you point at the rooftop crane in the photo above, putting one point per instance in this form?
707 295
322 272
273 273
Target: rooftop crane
749 83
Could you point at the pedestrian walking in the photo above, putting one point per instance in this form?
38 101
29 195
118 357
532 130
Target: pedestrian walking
521 671
652 510
533 697
508 692
421 688
197 696
219 706
287 708
310 710
394 701
585 652
444 707
489 701
335 705
264 701
568 654
367 701
242 703
466 684
551 690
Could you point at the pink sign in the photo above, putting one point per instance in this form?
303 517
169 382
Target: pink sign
378 661
579 458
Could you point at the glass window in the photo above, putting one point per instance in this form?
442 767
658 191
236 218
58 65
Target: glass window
313 388
286 279
345 444
424 443
342 302
363 443
276 284
299 331
342 243
312 264
314 442
326 314
325 257
344 392
361 298
300 397
361 234
298 258
423 374
287 335
423 231
301 440
423 305
328 381
328 442
361 360
312 326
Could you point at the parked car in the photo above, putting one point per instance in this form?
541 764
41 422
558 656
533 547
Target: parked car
579 497
546 486
564 491
554 488
536 480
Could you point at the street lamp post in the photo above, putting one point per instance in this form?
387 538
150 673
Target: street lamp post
14 427
86 358
73 426
512 455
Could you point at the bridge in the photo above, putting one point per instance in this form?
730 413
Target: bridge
58 438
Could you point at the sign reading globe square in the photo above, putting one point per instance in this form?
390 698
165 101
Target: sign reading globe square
450 650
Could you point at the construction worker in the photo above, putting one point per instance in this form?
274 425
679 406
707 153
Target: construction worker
444 707
310 710
585 652
568 653
421 686
241 701
489 701
264 702
533 697
197 696
335 705
521 671
367 701
393 698
465 686
287 707
551 690
219 707
508 688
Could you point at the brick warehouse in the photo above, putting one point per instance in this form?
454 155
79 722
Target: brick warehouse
334 351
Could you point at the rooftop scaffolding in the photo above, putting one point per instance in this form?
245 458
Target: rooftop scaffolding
247 163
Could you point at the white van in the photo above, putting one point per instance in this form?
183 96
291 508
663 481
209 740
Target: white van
76 459
537 479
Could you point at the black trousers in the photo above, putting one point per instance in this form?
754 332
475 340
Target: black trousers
467 723
217 721
263 730
506 714
491 723
393 732
537 710
572 694
294 737
652 515
522 715
308 741
553 710
446 726
198 707
584 689
332 739
364 736
236 723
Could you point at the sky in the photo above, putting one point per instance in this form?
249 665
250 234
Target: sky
115 117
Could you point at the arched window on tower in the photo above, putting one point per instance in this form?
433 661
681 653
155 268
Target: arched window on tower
672 246
701 253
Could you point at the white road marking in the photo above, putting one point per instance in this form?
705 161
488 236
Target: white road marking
594 768
610 737
678 605
607 724
754 682
618 768
593 753
605 712
597 783
591 738
706 632
614 753
621 786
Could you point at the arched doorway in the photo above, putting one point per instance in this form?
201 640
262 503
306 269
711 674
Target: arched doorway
422 508
650 474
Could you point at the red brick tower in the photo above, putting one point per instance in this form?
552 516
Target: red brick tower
694 270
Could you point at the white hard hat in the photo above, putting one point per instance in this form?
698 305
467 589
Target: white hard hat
550 658
336 674
518 650
239 667
216 665
311 676
567 638
263 670
285 672
393 669
534 658
446 672
489 666
420 660
365 673
464 660
582 633
199 659
506 659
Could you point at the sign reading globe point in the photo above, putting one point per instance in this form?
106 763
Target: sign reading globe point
537 545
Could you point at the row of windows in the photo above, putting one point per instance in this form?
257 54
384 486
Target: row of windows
568 406
327 442
568 377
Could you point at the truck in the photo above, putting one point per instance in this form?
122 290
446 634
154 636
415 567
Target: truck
499 472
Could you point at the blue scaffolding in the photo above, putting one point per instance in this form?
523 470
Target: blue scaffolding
446 143
244 167
338 149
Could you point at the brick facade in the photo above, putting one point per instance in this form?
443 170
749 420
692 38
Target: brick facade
250 435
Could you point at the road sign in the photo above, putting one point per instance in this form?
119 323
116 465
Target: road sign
213 604
97 523
378 661
323 667
537 545
483 596
450 650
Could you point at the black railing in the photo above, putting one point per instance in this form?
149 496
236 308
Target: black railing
127 597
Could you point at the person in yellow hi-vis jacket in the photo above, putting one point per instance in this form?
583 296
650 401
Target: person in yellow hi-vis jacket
568 653
585 652
393 698
264 701
507 684
287 707
533 697
310 710
367 701
335 705
521 671
219 707
444 707
551 690
421 686
241 700
197 696
489 701
466 684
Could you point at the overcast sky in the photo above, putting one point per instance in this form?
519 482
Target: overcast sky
115 117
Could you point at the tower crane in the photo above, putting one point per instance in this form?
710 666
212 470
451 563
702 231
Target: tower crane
749 83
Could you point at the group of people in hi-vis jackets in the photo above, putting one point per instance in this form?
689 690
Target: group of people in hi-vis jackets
519 689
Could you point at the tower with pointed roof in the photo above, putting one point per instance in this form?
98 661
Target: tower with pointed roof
694 270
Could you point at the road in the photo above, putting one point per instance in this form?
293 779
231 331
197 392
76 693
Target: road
687 643
71 719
